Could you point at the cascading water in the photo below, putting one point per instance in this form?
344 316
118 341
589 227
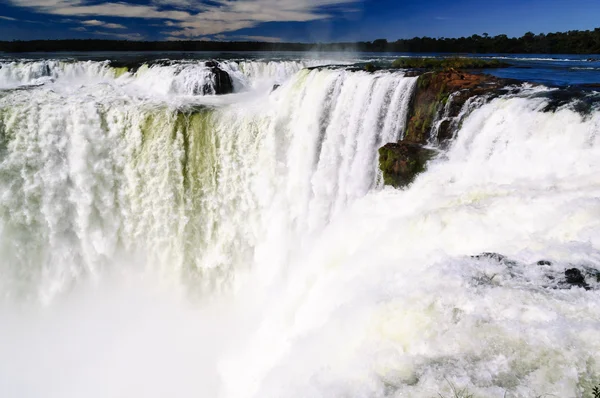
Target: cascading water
158 77
155 244
189 187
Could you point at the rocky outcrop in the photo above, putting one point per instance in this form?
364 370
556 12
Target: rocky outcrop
434 90
401 162
446 90
222 83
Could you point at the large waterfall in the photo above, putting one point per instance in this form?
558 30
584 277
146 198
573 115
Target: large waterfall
155 242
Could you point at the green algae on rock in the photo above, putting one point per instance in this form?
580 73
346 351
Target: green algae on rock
401 162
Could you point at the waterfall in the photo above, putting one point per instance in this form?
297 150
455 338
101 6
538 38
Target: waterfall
159 77
186 190
157 243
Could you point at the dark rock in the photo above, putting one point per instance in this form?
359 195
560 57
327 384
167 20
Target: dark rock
544 262
275 87
222 83
574 277
402 162
576 99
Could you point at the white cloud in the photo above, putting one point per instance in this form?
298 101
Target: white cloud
95 22
8 18
195 18
79 29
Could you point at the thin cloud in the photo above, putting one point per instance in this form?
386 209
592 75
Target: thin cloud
122 36
8 18
95 22
266 39
196 18
79 29
263 39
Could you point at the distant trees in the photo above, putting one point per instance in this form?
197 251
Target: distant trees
572 42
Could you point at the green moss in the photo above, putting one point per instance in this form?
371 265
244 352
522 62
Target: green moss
401 163
447 63
370 68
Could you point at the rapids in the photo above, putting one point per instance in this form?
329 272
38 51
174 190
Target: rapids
158 243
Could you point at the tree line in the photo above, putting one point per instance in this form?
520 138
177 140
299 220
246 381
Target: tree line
571 42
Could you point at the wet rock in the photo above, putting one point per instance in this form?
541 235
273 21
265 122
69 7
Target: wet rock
370 68
401 162
574 98
433 92
222 83
574 277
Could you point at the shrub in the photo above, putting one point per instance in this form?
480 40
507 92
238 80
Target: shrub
447 63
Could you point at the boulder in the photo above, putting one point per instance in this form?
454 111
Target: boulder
222 83
574 277
401 162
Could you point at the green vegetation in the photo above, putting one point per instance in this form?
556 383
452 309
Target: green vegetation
447 63
370 68
401 162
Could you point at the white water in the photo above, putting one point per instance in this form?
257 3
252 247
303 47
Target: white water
249 251
165 78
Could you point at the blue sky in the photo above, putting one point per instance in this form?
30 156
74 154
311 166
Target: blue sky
289 20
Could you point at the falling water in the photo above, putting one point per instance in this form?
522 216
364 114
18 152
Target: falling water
157 243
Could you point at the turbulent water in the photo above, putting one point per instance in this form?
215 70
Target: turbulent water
155 242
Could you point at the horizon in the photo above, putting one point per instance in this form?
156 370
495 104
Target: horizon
288 21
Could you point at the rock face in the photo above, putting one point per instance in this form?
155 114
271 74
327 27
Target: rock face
222 81
401 162
433 92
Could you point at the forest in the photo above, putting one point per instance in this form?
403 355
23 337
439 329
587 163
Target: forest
572 42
